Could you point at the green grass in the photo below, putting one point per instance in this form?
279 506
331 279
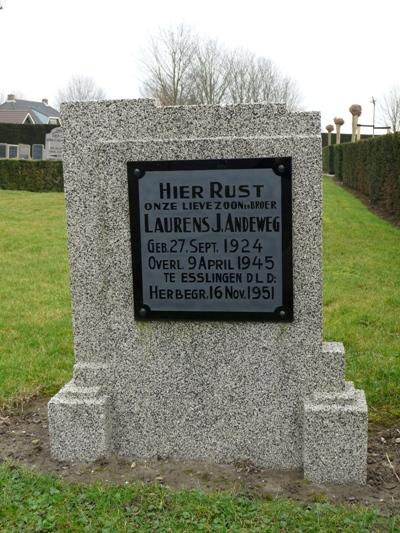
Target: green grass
362 297
30 502
35 319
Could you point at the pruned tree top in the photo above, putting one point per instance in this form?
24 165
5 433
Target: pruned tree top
355 110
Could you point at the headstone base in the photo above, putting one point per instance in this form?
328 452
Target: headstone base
336 436
335 429
79 424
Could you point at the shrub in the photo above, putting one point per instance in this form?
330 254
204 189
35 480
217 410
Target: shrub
371 167
338 161
327 159
37 176
24 133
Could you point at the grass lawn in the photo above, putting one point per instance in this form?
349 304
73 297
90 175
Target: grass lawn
35 319
39 503
361 296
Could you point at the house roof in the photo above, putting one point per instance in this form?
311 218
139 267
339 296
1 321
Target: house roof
39 111
13 117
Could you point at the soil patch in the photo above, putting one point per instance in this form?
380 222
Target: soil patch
24 439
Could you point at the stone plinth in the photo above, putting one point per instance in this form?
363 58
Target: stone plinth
218 391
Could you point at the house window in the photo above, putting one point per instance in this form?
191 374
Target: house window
54 120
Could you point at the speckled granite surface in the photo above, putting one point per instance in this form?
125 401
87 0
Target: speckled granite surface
221 391
335 437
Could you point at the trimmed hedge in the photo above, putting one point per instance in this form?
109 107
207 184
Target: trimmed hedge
327 159
338 161
371 167
36 176
24 133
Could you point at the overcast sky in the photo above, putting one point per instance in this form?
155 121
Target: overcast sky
340 51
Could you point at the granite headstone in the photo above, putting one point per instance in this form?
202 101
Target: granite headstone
3 151
24 151
265 388
37 151
13 151
54 144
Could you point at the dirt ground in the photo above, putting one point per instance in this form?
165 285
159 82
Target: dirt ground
24 439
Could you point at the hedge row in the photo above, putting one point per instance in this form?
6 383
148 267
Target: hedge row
36 176
327 159
371 167
24 133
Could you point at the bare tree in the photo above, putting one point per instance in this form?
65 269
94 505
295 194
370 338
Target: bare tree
181 68
80 88
168 65
257 79
390 108
210 73
241 71
288 93
264 83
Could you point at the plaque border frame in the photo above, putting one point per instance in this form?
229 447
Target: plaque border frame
282 166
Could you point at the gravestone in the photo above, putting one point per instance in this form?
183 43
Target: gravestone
37 151
13 151
54 144
195 257
24 151
3 151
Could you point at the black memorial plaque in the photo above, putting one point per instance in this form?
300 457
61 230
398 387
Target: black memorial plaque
37 152
212 239
12 151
